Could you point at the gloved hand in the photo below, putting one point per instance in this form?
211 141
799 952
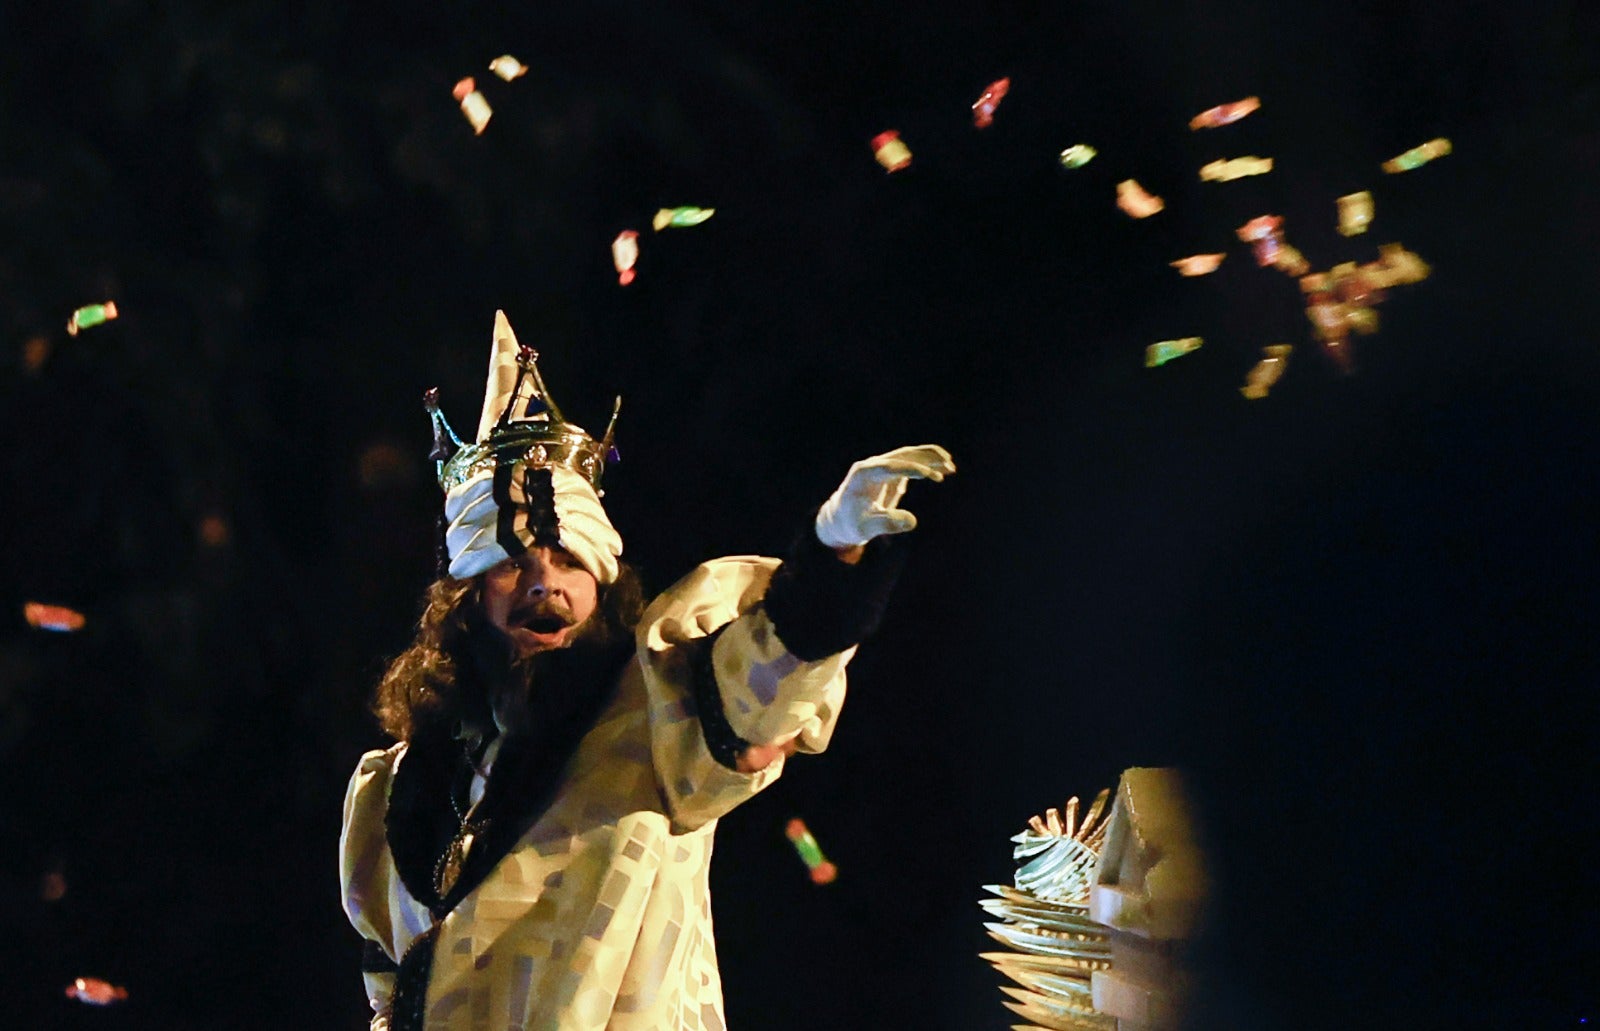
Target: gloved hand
864 505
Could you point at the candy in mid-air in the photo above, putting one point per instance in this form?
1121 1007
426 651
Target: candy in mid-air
822 871
91 315
1224 114
1289 260
624 253
1355 213
1132 198
1077 155
1163 351
1396 266
1265 234
1197 264
508 67
983 107
95 991
890 151
1274 359
473 104
1227 171
52 617
680 217
1418 156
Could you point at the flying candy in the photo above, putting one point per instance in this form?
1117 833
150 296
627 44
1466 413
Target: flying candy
1224 114
52 617
473 105
983 107
508 67
1238 168
96 992
624 253
1396 266
1197 264
1355 213
1265 233
1274 359
1418 156
892 154
1290 261
1164 351
822 871
1132 198
1077 155
681 217
91 315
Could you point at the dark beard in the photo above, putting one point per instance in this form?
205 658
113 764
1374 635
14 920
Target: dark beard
539 692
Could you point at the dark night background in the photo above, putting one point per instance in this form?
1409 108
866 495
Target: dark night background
1361 613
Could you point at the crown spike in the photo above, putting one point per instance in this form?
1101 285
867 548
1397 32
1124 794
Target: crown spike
445 441
528 360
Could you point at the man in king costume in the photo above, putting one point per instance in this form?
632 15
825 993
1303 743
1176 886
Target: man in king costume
533 852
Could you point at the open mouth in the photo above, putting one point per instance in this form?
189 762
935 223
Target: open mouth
537 629
545 624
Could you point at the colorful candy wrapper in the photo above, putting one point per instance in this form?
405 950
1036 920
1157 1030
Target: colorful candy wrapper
1355 213
891 153
983 107
1197 264
91 315
1132 198
680 217
1396 266
1418 156
1274 359
473 105
1224 114
1162 352
96 992
508 67
1238 168
1077 155
822 871
624 253
1265 234
1290 261
52 617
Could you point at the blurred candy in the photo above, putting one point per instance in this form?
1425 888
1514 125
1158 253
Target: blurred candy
95 991
1164 351
473 105
1077 155
1355 213
1418 156
1197 264
678 218
1267 371
624 253
1238 168
1224 114
52 617
1290 261
91 315
1396 266
892 154
1265 233
983 107
822 871
1132 198
508 67
35 352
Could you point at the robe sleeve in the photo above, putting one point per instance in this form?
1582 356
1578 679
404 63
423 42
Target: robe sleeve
371 901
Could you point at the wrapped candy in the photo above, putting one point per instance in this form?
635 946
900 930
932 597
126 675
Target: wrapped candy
891 153
52 617
96 992
1265 234
473 105
1290 261
1355 213
1164 351
822 871
1132 198
1418 156
1238 168
508 67
1267 371
983 107
1396 266
680 217
1197 264
1224 114
91 315
624 253
1077 155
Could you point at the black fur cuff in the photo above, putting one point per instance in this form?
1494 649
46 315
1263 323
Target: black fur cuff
724 745
820 606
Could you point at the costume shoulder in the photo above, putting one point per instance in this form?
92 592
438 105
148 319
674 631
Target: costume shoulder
711 596
369 784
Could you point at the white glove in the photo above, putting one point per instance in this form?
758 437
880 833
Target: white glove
864 505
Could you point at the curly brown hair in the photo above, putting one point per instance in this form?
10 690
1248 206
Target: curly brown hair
426 682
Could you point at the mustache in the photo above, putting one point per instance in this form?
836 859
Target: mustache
544 616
